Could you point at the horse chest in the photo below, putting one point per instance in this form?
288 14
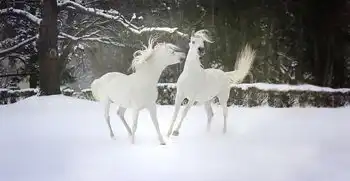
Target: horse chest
191 83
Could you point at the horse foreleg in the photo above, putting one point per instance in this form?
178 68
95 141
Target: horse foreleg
121 112
184 113
209 111
178 101
135 116
107 105
153 113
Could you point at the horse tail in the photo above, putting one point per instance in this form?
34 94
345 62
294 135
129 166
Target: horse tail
94 89
243 64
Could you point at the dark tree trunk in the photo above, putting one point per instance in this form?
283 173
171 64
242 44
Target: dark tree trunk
48 61
33 80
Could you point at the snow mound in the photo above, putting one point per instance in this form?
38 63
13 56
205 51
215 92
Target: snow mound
66 139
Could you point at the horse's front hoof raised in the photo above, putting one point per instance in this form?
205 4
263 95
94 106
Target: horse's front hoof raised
176 133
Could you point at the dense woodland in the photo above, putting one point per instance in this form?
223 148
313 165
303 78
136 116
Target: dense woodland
61 43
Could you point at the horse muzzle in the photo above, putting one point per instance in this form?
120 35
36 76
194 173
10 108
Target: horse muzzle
201 51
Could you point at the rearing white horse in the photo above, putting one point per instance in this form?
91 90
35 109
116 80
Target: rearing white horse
138 90
202 85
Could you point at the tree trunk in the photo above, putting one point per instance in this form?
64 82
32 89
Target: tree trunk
33 81
47 43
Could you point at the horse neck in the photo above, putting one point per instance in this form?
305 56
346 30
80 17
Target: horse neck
192 61
150 73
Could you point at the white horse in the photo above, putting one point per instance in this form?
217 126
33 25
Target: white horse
202 85
138 90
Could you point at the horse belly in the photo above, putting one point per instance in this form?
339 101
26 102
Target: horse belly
205 96
215 82
134 98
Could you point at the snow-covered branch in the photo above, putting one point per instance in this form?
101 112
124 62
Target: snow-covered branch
111 14
104 40
20 12
8 50
115 15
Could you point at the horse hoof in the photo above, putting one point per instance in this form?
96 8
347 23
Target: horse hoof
162 143
112 136
176 133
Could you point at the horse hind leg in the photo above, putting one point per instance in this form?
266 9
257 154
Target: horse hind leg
223 98
107 118
121 113
209 112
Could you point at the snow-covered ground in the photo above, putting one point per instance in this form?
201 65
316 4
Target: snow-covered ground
60 138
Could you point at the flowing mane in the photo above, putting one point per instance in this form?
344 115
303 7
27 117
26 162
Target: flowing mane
142 56
169 46
204 35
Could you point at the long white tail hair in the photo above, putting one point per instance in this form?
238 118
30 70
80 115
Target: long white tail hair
243 64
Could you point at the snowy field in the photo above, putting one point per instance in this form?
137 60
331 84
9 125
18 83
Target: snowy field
60 138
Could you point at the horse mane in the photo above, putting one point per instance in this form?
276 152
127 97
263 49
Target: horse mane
142 56
204 34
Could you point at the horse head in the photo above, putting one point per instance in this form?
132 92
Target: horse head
198 39
161 54
167 54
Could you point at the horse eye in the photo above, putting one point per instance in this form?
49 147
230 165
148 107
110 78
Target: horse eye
192 42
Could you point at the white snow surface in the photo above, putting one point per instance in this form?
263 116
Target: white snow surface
61 138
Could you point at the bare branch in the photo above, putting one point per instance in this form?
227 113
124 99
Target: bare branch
115 15
19 45
111 15
20 12
17 74
104 40
91 34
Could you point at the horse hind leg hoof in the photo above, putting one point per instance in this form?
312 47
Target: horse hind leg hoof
162 143
112 136
176 133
